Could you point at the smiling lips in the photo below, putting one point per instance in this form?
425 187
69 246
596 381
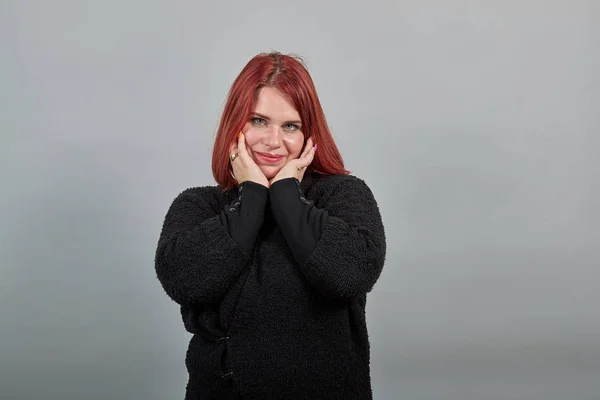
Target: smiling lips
269 158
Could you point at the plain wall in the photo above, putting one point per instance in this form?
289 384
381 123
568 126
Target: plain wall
475 123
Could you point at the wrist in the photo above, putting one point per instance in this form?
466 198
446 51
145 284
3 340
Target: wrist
262 183
285 192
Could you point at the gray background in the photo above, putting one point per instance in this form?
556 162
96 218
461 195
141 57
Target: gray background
474 122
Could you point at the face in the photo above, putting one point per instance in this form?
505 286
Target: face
273 132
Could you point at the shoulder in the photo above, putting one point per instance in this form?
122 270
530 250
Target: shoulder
331 183
326 187
347 197
200 195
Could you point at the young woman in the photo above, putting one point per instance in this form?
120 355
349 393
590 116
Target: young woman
271 267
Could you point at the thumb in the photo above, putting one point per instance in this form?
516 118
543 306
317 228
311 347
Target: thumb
242 143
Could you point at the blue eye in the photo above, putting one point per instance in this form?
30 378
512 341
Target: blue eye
258 121
291 127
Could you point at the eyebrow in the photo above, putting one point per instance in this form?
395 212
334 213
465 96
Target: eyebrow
268 119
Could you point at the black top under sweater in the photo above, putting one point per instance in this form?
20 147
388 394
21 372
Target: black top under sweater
272 284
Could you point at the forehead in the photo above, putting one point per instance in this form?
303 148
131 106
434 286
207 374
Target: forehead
273 104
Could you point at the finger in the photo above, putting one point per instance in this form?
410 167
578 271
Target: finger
305 150
233 150
310 148
311 153
311 156
307 147
242 144
306 160
302 163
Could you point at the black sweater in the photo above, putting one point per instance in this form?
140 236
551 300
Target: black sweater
273 283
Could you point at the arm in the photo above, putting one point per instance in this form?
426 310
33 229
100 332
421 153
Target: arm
201 251
339 248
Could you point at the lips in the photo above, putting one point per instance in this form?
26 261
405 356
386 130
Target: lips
269 158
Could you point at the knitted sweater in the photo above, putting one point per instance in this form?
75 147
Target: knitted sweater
272 284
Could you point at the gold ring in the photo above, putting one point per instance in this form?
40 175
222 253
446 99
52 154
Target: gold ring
233 156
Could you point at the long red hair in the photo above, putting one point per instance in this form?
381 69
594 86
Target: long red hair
288 74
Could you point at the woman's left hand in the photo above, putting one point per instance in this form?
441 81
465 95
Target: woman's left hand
297 167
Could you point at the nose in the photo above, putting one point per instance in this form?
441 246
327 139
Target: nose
272 137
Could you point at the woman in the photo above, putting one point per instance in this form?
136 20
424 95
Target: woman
271 267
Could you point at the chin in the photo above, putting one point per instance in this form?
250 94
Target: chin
270 172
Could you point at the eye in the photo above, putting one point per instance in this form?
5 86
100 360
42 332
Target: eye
258 121
291 127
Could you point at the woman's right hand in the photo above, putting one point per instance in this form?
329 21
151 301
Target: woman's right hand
243 166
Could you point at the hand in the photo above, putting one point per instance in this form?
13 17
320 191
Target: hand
244 167
297 167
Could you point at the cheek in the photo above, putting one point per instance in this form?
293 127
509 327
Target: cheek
295 145
252 137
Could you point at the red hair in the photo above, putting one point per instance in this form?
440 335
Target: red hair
288 74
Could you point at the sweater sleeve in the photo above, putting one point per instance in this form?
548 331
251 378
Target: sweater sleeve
243 221
341 247
201 251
